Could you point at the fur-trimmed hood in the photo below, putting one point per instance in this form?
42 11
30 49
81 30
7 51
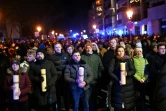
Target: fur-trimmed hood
10 71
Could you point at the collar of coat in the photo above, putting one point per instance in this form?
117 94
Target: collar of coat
81 62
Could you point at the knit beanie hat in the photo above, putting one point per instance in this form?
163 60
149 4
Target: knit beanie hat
138 44
15 62
41 50
138 49
89 44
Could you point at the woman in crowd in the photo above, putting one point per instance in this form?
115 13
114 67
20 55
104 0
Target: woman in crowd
123 96
140 76
24 87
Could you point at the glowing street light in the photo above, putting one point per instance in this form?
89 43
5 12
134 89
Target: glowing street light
129 14
53 32
94 26
38 28
84 31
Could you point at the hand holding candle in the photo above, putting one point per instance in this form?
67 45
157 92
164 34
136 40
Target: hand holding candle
80 78
123 73
15 87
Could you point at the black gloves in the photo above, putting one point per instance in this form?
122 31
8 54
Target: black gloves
40 79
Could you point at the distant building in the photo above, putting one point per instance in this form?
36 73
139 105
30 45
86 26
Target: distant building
149 16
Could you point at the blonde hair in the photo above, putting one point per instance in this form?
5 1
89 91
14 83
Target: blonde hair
31 52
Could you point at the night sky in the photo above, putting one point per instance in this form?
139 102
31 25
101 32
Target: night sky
58 15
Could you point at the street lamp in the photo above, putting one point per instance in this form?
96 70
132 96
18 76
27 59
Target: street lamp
129 14
53 32
130 24
94 26
38 28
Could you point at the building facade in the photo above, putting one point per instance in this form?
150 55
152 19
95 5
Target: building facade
148 17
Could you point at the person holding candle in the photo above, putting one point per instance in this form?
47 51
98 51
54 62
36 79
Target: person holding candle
24 86
79 86
123 96
43 71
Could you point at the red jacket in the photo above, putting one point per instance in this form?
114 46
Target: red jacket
24 84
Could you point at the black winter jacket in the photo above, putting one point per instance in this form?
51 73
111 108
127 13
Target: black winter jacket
71 72
122 93
51 77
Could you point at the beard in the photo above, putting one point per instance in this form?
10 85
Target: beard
40 58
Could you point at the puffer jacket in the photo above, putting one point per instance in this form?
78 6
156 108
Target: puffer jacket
122 93
71 73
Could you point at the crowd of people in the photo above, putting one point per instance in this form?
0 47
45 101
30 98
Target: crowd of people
77 72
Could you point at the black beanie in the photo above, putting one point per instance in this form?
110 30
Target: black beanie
15 62
41 50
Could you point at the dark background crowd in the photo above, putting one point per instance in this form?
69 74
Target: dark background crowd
101 88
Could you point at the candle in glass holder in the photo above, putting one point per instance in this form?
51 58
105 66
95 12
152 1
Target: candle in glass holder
16 85
44 83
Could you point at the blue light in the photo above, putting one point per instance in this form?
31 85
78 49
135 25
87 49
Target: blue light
74 35
102 33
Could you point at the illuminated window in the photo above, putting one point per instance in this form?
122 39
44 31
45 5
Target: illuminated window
99 8
131 1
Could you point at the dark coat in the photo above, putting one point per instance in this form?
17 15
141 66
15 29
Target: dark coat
95 64
156 63
51 77
108 56
122 93
71 72
57 63
4 64
159 98
24 84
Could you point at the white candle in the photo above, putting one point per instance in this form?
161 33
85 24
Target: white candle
122 67
16 85
123 78
81 74
44 83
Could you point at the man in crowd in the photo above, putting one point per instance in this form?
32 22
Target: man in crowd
96 66
155 65
61 86
78 87
45 101
108 56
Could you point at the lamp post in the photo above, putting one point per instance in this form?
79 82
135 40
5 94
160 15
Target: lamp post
37 34
130 24
38 28
94 27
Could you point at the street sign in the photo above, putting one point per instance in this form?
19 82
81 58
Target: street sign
130 25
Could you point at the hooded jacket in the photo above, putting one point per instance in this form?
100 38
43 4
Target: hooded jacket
24 85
